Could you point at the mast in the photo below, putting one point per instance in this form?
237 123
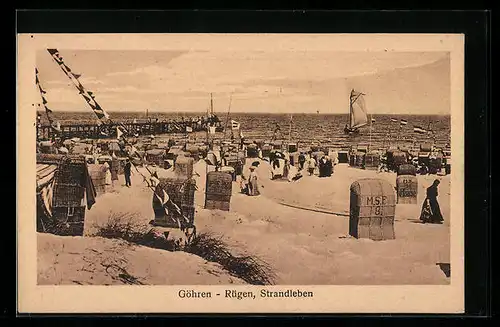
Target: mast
290 131
370 143
227 117
211 104
350 109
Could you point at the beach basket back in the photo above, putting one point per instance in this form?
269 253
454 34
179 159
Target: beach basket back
372 209
435 162
252 151
426 147
218 190
407 169
398 159
242 158
98 176
266 150
203 150
67 195
235 163
278 145
362 148
372 160
71 172
360 159
184 166
292 147
423 158
406 189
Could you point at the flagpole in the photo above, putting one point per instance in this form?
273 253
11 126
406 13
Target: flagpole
227 117
371 121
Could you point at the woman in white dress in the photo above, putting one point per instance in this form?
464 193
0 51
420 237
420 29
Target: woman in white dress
108 173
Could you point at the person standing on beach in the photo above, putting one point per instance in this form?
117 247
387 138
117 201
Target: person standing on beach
311 165
127 170
253 186
431 212
114 169
107 170
302 160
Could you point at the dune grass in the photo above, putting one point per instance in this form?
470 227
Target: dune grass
210 247
251 269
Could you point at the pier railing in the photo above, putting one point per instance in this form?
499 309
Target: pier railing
140 128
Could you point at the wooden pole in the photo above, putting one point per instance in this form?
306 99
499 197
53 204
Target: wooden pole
227 117
370 143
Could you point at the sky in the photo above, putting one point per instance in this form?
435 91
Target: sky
255 81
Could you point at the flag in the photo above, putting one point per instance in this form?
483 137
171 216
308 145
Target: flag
189 129
56 126
419 130
119 133
404 122
211 129
235 125
394 120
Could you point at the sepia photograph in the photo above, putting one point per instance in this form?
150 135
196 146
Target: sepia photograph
270 166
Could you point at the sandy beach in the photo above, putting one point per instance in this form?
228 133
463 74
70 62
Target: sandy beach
303 247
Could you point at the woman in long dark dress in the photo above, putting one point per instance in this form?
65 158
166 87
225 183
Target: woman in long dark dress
431 213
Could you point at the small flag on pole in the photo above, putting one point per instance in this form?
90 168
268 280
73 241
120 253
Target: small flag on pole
394 120
235 125
419 130
404 122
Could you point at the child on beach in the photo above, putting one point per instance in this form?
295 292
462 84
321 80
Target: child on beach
311 165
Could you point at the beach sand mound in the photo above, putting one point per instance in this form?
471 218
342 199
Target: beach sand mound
302 247
100 261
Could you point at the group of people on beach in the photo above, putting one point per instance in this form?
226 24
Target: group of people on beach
325 164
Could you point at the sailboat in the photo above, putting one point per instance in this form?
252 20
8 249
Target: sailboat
357 113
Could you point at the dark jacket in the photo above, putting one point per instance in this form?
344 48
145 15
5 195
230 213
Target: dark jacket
127 168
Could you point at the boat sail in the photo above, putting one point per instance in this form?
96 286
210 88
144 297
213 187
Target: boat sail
357 113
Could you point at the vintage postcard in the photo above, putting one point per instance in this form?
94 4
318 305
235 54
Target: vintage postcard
240 173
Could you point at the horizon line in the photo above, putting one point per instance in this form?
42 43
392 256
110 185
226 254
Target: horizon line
249 112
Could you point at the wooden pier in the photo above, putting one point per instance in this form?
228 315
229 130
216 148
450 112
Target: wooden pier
94 131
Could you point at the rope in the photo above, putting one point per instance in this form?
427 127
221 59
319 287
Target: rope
314 209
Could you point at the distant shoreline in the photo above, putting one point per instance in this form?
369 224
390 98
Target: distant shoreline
221 113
